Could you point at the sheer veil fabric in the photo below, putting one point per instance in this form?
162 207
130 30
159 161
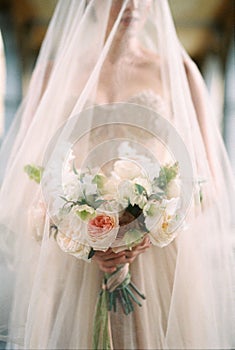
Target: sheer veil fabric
98 53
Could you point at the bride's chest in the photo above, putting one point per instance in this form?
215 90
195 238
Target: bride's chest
122 83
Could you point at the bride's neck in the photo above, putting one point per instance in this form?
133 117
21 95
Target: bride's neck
122 49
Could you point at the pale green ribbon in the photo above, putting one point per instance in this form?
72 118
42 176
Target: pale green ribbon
115 286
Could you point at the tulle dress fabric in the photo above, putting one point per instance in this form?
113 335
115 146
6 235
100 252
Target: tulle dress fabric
49 297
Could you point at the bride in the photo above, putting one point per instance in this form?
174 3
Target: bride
112 76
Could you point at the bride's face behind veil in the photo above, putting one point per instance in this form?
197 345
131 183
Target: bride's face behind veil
133 17
128 67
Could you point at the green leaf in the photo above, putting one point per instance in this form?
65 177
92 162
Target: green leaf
140 189
167 173
34 172
98 203
85 214
64 198
90 199
65 209
99 180
91 253
133 237
93 201
53 231
81 201
75 169
158 196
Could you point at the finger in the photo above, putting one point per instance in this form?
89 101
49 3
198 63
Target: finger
109 253
147 242
142 245
102 257
114 262
133 253
108 269
103 253
130 260
144 242
102 266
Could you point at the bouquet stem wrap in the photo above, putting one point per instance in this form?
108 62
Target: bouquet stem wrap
115 286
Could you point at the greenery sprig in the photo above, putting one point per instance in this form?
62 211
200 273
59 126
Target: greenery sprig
34 172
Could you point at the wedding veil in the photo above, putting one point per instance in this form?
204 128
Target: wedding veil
41 284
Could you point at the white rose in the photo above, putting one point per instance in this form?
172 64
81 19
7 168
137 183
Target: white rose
139 200
72 226
71 186
170 206
87 185
126 169
160 216
125 192
72 247
152 212
129 194
164 232
173 189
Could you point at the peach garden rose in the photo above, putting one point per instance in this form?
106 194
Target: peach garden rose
102 230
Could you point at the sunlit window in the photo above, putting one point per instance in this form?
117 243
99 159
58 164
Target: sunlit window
2 85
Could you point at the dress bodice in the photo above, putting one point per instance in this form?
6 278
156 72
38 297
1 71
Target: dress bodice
147 98
150 99
122 120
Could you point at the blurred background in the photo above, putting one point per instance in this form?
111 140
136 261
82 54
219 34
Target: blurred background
205 28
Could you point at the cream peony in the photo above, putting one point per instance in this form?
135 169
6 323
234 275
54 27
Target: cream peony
127 169
72 247
72 226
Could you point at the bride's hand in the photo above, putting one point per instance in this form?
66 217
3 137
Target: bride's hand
108 261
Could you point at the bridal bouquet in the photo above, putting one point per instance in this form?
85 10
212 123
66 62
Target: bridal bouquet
96 211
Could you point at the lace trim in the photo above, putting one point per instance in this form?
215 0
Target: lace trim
147 98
